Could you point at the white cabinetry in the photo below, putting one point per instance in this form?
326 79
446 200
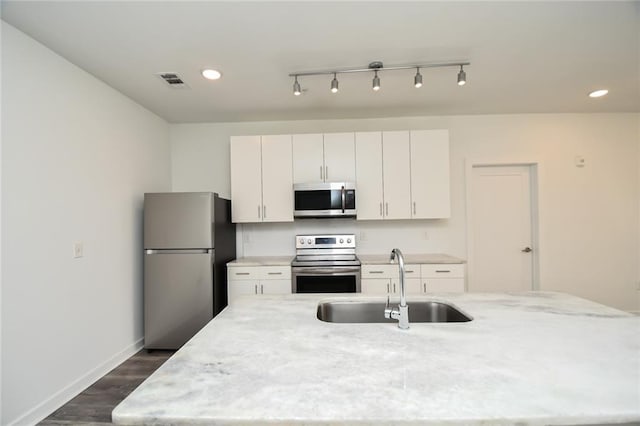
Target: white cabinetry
430 187
396 171
254 280
261 179
419 278
326 157
385 279
442 278
383 176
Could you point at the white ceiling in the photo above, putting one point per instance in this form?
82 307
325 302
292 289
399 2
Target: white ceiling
526 57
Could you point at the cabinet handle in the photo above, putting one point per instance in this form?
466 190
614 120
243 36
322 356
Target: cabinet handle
386 205
376 272
440 271
321 176
424 287
274 273
414 207
259 212
387 287
408 272
261 289
256 289
326 172
241 273
264 212
380 208
394 287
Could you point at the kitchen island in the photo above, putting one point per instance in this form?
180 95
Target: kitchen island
535 358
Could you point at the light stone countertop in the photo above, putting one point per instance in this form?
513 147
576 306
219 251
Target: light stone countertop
262 261
421 258
530 359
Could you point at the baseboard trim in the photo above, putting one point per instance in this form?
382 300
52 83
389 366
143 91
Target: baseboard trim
64 395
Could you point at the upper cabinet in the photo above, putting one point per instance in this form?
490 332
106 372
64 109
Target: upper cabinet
402 175
398 174
430 179
328 157
261 179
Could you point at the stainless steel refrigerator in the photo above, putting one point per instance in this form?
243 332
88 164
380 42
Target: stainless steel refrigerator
188 239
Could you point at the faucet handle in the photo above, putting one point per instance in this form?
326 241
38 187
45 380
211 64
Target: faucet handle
387 309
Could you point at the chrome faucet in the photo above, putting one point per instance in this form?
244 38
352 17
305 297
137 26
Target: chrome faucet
401 313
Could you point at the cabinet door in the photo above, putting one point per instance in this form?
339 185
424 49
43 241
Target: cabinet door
277 181
436 285
275 287
237 288
396 172
375 286
308 158
246 179
414 285
339 157
369 198
430 187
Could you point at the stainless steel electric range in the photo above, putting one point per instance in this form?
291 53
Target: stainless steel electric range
325 264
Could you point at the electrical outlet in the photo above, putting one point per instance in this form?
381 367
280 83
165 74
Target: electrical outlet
425 235
78 249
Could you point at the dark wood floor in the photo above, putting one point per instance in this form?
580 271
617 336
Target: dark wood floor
94 405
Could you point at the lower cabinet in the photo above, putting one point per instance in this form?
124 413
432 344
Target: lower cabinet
244 280
419 279
385 279
442 278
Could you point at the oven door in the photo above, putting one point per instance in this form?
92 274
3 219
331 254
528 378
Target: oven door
325 279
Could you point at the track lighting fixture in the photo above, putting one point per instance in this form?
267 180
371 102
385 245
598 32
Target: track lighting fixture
334 84
462 77
296 87
377 66
376 81
417 80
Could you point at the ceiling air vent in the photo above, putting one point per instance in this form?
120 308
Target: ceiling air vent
173 80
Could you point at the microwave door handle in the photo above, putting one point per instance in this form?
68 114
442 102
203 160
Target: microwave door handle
344 203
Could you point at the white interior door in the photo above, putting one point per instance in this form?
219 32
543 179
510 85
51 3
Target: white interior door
501 256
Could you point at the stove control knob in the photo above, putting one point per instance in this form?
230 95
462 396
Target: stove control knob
341 241
349 240
301 240
309 241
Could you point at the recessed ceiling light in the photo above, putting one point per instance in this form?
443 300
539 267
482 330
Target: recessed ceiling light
210 74
598 93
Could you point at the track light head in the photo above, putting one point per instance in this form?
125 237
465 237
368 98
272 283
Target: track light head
462 77
296 87
376 82
417 80
334 84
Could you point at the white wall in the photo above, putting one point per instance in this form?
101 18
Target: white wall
589 218
76 158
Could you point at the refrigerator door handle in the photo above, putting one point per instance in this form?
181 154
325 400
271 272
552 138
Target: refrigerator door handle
178 251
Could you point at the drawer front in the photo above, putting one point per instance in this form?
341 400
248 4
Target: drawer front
275 272
379 271
243 272
411 270
443 270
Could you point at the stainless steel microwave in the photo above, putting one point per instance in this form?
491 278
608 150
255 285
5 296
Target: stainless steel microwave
324 200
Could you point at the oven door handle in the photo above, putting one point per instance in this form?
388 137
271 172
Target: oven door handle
344 201
325 271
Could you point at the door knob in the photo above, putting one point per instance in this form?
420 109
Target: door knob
526 250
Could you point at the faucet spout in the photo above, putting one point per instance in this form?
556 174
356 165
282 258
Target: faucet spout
401 313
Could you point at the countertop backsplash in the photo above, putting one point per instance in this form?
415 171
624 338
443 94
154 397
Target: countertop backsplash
372 237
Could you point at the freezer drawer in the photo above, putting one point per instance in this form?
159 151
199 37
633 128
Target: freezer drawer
178 220
178 296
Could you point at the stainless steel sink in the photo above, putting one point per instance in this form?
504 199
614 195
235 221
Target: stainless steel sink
353 311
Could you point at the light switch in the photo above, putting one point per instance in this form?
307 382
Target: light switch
78 249
579 161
